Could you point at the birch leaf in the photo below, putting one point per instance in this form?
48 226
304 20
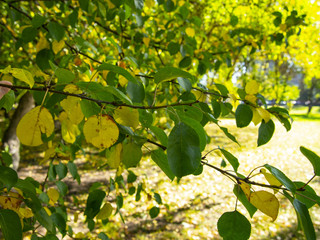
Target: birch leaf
266 202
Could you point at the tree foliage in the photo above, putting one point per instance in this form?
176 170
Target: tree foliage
128 77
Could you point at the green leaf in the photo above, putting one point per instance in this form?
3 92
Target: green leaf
29 34
99 92
37 21
103 236
119 70
73 170
10 225
89 108
136 92
60 222
8 177
168 73
61 170
160 135
43 57
117 93
56 30
234 20
234 226
185 62
304 219
222 89
281 178
229 135
145 118
243 115
266 131
154 212
44 219
231 159
185 84
183 150
157 197
131 154
64 76
94 202
198 128
244 200
313 158
29 191
7 101
173 48
307 196
160 158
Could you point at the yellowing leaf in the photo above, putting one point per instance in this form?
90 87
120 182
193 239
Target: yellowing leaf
101 131
190 32
42 43
251 98
252 87
105 211
23 75
256 118
26 212
110 4
69 130
199 95
70 88
272 180
53 195
36 122
127 116
114 157
47 210
245 188
57 46
72 107
122 80
146 41
264 114
266 202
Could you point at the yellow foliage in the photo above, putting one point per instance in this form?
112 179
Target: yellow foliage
266 202
42 43
72 107
245 188
57 46
190 32
53 195
23 75
26 212
101 131
114 157
122 80
127 116
105 211
199 95
256 118
146 41
272 180
36 122
251 98
252 87
265 115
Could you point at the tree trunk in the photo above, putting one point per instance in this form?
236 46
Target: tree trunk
10 138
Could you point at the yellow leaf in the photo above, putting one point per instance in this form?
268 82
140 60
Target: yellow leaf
23 75
53 195
57 46
127 116
26 212
252 87
146 41
75 217
272 180
42 43
264 114
101 131
105 211
47 210
199 95
69 130
245 188
110 4
105 74
256 118
266 202
70 88
36 122
114 157
72 107
251 98
122 80
50 152
190 32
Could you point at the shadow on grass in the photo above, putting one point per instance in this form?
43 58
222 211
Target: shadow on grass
305 117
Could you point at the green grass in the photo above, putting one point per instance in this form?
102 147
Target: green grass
300 113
